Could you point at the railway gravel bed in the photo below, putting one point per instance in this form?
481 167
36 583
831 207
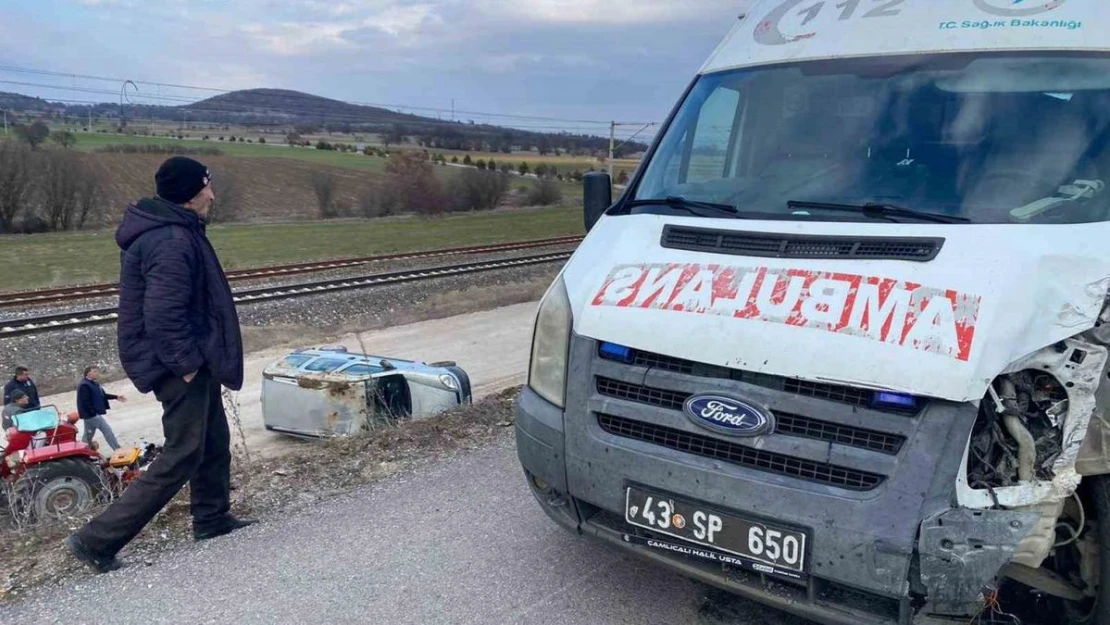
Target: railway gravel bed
57 358
349 272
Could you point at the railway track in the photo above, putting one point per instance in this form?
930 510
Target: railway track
77 293
107 315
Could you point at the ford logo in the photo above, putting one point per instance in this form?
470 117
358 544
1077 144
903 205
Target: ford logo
728 415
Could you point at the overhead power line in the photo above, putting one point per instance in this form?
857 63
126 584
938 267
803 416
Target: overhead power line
287 96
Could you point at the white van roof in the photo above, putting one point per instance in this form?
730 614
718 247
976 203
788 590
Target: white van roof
780 31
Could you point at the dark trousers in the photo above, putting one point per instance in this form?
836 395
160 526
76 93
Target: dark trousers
197 451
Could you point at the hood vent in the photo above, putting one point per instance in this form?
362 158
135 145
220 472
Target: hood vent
774 245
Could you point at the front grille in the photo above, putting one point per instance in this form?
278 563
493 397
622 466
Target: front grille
795 425
819 390
775 245
832 392
672 400
757 459
786 423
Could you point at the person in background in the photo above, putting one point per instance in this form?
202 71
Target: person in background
21 381
179 336
18 404
92 405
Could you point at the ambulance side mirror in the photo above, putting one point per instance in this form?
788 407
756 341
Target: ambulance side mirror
597 192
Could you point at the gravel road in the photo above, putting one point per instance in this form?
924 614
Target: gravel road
459 541
492 346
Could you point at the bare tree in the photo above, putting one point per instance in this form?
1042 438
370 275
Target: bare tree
228 203
89 202
15 183
373 202
412 184
474 189
323 185
64 138
33 134
59 184
544 192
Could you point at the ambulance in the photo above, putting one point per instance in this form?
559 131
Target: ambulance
840 347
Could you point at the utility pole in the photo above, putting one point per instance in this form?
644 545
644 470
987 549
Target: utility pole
5 123
612 147
613 141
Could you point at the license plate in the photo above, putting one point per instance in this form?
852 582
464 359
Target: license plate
770 545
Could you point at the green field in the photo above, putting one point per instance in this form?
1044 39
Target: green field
45 260
89 142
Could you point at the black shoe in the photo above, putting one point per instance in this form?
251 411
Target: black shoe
219 529
98 563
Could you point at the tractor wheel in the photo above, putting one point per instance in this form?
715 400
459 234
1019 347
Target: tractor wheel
60 489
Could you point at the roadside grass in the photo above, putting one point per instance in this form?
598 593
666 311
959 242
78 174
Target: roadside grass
58 259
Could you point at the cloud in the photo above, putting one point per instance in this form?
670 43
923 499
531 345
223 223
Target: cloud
290 39
581 59
601 11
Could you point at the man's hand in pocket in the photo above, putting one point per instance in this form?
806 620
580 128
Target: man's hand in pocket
189 377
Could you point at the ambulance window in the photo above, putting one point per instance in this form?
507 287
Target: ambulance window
709 154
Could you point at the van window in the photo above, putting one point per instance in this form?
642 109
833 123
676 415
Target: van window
296 360
325 365
362 369
990 138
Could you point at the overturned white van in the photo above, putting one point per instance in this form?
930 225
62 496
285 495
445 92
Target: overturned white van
841 346
329 392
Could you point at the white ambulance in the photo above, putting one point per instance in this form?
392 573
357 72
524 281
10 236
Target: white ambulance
840 346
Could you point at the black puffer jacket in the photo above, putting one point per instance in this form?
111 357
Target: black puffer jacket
176 312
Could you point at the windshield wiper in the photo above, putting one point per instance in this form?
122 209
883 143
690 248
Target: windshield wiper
693 206
872 209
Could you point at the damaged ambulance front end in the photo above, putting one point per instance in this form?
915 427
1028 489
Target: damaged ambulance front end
840 347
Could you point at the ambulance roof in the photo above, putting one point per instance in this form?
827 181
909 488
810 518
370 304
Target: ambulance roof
780 31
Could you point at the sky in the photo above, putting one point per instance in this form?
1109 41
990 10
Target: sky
627 60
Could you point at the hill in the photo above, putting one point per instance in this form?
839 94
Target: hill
294 106
289 111
20 102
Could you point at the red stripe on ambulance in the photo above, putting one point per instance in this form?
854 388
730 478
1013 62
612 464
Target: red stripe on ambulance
907 314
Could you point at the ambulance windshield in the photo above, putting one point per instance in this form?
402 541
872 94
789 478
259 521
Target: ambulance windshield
984 138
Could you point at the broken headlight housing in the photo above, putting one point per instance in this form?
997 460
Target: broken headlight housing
547 372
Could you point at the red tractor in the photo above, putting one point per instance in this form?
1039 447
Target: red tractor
48 473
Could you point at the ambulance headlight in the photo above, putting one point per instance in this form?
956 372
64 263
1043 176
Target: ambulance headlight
547 373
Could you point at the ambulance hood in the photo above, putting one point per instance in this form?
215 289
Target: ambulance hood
944 328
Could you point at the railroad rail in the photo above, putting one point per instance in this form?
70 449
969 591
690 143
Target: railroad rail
107 315
90 291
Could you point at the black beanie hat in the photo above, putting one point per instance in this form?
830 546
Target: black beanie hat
180 179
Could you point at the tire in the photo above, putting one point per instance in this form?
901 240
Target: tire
59 489
1099 494
1096 497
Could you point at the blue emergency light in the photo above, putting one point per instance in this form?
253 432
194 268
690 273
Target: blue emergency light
887 399
612 351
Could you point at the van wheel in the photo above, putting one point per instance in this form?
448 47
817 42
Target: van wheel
1068 560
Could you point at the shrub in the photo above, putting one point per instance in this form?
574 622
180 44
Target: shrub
475 189
544 192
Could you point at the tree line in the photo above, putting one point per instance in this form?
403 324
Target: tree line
46 190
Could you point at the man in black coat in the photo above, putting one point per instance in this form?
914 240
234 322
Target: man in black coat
178 335
21 381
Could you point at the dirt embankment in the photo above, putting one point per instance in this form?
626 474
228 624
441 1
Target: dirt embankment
265 488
